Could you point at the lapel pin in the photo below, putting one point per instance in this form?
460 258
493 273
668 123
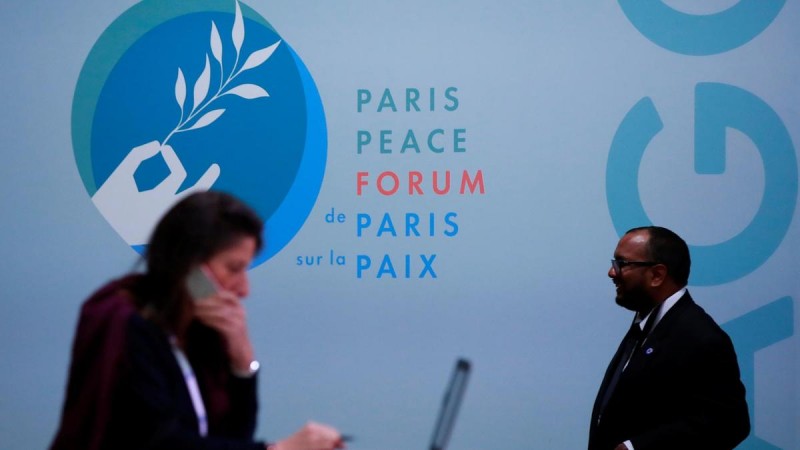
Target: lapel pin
649 350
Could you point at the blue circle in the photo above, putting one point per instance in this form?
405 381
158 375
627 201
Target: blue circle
271 150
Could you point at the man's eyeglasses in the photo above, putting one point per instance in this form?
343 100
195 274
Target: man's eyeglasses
618 264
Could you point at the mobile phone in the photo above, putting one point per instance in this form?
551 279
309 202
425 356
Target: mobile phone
200 284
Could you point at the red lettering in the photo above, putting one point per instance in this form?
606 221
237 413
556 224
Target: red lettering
439 182
414 180
360 181
395 180
436 188
466 182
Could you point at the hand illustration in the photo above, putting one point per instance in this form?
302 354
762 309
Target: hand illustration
132 213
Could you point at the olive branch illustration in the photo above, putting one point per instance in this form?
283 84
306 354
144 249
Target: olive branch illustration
201 101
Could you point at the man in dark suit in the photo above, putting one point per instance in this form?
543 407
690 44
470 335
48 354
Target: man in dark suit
674 382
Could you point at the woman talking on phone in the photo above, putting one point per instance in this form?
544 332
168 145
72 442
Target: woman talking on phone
155 367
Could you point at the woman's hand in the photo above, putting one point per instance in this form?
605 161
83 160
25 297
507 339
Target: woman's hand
313 436
225 313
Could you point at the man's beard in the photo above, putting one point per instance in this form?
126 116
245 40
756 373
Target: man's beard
635 300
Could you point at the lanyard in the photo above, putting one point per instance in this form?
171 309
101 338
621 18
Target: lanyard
194 390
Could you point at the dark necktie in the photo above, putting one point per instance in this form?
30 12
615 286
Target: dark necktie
629 343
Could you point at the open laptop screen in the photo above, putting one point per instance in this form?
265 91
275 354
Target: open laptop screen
450 405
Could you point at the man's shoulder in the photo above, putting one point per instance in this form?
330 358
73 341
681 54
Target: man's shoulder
693 322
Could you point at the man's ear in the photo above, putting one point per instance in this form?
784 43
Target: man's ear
658 275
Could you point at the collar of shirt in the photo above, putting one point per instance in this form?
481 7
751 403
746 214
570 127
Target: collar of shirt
665 306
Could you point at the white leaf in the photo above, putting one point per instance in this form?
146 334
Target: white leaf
237 34
248 91
258 57
207 119
201 86
216 43
180 89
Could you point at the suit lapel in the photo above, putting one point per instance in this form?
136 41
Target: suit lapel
659 334
609 375
665 325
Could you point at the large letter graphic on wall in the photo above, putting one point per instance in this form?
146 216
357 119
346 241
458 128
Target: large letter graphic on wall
717 107
701 34
752 332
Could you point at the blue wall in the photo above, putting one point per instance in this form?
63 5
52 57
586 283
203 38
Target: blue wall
581 119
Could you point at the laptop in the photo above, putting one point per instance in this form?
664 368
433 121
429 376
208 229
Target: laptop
451 404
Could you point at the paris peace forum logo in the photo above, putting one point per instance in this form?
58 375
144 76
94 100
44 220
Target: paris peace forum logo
177 97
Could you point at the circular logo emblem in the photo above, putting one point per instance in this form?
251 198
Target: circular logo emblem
182 96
